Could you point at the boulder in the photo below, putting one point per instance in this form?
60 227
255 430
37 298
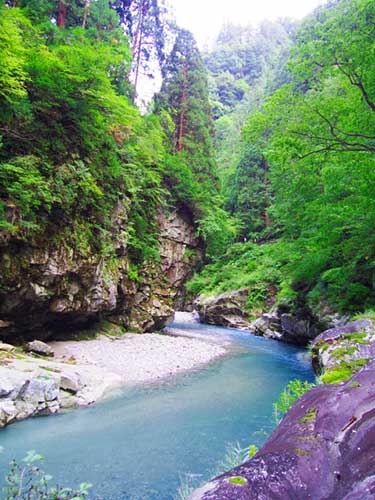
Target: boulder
268 325
39 347
7 347
323 449
25 394
70 382
349 345
228 309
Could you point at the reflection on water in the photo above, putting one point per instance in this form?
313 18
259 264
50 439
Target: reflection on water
139 444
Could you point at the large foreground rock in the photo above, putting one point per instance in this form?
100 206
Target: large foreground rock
52 286
324 449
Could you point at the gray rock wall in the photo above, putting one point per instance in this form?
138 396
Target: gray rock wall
49 286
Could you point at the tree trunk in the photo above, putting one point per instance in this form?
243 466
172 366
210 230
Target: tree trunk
267 220
85 13
61 16
137 46
181 125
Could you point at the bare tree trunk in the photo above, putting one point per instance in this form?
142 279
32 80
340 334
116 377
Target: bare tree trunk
61 16
181 125
267 219
85 13
137 46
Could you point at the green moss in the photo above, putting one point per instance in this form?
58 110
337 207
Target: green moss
301 452
354 385
237 480
343 371
336 375
49 369
341 352
358 337
252 451
309 416
324 347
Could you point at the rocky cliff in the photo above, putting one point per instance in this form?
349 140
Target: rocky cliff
50 285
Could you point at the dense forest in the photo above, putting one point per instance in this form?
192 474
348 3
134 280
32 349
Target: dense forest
302 189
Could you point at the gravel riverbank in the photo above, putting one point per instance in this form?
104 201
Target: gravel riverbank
82 372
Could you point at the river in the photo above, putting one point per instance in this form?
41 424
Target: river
140 444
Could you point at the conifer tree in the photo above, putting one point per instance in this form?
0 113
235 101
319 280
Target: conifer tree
184 95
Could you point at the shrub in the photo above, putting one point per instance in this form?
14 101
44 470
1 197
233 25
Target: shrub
293 391
27 481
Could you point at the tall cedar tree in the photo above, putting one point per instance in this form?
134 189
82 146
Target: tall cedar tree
249 195
144 23
184 96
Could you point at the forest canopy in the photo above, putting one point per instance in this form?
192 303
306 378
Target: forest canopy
308 168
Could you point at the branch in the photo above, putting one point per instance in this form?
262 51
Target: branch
334 150
356 80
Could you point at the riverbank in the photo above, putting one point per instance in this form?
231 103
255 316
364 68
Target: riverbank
82 372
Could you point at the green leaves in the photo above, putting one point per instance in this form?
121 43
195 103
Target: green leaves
13 76
318 136
27 481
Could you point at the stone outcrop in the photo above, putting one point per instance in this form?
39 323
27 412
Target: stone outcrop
32 386
299 328
344 348
53 286
228 309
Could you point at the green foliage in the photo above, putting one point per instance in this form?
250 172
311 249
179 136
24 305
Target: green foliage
258 268
217 230
343 370
233 457
316 135
252 451
190 173
27 481
249 195
73 149
237 480
293 391
245 65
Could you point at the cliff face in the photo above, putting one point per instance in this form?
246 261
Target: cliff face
50 286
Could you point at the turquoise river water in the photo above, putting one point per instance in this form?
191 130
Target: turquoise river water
142 443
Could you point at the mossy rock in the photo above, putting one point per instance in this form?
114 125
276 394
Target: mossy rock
237 480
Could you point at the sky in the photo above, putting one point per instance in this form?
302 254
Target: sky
205 17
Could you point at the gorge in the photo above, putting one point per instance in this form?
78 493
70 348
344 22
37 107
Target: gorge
241 191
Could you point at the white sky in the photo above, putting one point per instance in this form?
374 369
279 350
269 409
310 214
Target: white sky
205 17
